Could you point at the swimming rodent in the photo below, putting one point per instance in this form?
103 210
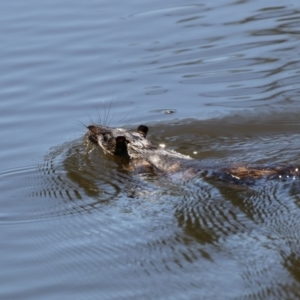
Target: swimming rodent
142 156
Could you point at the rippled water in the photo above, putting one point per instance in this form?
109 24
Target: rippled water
217 81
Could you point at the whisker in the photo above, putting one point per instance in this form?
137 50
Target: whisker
107 114
112 116
128 122
104 112
124 117
99 117
91 120
81 123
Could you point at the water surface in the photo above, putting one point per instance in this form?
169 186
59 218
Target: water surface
217 81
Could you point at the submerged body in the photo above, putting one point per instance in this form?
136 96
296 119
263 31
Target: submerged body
142 156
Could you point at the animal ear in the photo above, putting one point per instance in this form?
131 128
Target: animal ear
120 140
121 146
143 129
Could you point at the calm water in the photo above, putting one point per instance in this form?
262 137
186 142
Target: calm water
218 81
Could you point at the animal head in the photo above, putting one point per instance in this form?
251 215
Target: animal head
119 141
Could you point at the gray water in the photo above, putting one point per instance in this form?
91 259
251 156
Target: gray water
217 81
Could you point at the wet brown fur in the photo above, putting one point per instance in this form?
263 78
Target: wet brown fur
145 157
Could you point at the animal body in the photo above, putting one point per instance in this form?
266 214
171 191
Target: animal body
142 156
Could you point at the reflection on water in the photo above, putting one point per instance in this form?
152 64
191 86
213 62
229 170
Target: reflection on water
198 232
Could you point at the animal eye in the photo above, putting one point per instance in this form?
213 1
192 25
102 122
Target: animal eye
105 138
